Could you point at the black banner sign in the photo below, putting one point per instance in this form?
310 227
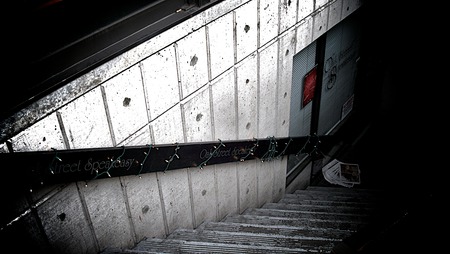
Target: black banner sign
57 166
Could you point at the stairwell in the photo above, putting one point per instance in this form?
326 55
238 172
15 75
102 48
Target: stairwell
313 220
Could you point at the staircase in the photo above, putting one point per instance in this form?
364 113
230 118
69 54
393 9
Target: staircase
313 220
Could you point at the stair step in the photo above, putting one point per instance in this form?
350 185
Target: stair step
259 239
320 208
292 199
314 195
134 252
128 251
329 216
153 245
329 191
344 190
274 230
295 222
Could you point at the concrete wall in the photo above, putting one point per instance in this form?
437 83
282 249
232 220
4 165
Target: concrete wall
223 74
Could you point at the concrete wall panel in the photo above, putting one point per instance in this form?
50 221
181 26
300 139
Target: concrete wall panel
304 34
145 205
197 116
160 77
247 97
203 194
265 173
220 9
176 199
279 178
246 30
349 6
159 42
320 20
64 221
221 44
168 128
85 121
107 209
335 14
288 14
224 107
126 103
227 189
268 20
267 91
248 192
192 61
166 38
44 135
287 48
320 3
305 8
75 88
141 137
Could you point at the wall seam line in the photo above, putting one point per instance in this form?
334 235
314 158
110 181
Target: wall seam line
108 116
127 208
191 197
163 207
216 190
87 215
147 103
63 130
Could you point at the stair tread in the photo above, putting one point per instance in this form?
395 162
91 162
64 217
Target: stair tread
294 222
127 251
293 199
252 239
344 189
307 195
274 229
327 191
170 245
330 216
338 193
320 208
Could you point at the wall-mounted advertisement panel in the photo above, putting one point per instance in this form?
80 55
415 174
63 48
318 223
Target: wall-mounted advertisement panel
339 73
309 86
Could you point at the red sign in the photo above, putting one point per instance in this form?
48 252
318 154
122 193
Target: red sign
309 85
